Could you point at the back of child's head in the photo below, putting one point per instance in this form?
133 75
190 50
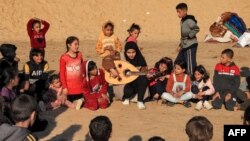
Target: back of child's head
100 128
8 51
156 138
133 27
8 75
228 52
199 128
201 69
168 62
22 108
182 6
70 40
247 116
36 52
49 96
91 66
181 63
53 77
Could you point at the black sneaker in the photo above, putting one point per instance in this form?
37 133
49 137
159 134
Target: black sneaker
171 104
187 104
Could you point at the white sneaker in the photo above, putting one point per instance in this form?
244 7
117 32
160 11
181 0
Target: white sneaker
198 106
125 102
79 104
141 106
207 105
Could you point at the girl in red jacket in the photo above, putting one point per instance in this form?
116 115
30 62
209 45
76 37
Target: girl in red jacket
71 74
94 87
37 33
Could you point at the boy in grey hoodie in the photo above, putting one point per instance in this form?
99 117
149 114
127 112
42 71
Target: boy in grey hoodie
23 112
188 44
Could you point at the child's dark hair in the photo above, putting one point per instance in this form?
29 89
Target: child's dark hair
8 51
247 116
35 22
53 77
91 66
168 62
182 6
199 128
156 138
109 23
36 52
201 69
100 128
70 40
22 107
49 96
228 52
133 27
8 75
181 63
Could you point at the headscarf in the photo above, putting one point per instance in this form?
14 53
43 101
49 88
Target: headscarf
139 60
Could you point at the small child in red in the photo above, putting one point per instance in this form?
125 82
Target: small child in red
55 98
94 87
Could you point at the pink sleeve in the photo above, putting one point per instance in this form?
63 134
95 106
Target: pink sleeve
211 90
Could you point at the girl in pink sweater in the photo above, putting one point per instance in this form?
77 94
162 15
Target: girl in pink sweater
202 87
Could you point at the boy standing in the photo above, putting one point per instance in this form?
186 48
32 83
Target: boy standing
188 44
226 81
24 114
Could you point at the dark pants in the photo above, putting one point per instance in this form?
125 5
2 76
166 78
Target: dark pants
218 102
138 86
245 102
188 55
74 97
158 88
195 90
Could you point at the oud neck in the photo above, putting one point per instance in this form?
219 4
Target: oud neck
137 73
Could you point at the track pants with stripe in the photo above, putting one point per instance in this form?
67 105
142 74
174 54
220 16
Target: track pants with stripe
188 55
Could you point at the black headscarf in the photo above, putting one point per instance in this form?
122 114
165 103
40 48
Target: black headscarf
139 60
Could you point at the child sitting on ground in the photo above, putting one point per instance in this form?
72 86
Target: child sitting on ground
202 87
55 98
226 82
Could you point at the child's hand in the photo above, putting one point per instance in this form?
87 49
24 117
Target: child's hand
179 94
65 91
178 49
228 97
248 95
114 73
216 95
200 95
149 75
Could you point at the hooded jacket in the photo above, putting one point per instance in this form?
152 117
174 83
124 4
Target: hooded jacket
189 29
15 133
96 86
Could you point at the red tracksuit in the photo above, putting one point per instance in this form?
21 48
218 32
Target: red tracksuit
37 39
93 89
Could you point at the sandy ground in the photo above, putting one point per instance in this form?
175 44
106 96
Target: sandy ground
168 122
159 37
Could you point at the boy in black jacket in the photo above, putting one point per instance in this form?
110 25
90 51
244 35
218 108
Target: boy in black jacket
226 81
